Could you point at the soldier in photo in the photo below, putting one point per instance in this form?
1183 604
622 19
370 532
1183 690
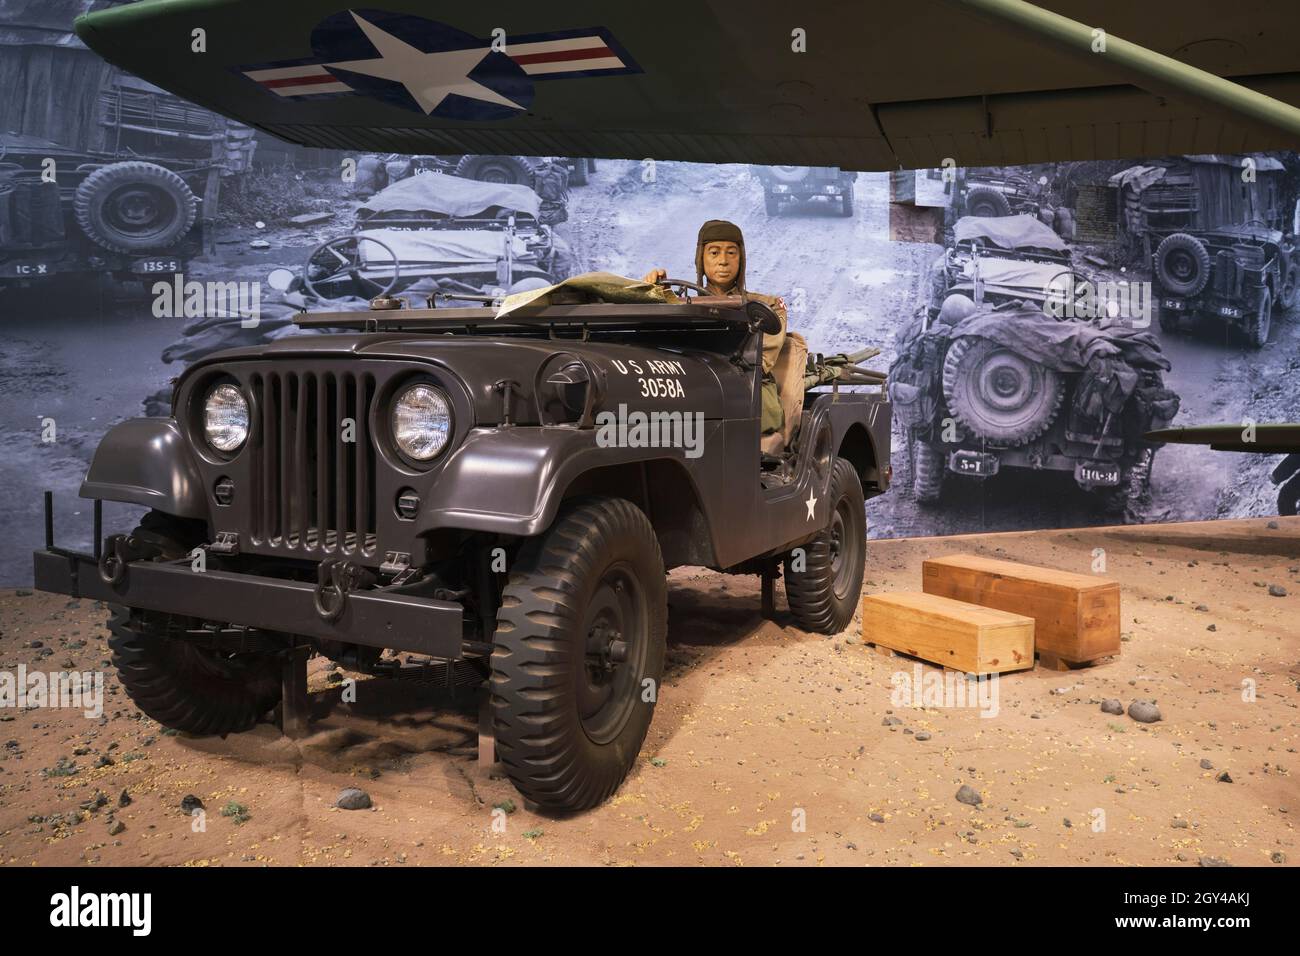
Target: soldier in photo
720 267
551 182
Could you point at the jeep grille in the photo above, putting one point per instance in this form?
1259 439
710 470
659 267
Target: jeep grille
312 490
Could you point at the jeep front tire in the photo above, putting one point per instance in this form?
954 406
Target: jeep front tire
578 654
823 589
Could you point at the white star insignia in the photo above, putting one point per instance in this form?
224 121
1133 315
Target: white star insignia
429 77
812 505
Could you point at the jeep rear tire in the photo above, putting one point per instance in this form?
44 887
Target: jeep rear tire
790 175
846 202
999 394
928 471
181 685
1258 325
1182 264
984 201
824 595
496 169
578 647
134 207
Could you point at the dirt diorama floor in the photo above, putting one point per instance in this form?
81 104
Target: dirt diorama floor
769 746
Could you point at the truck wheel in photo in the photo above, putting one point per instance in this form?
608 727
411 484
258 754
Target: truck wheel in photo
999 394
1261 321
1182 264
578 654
496 169
983 201
181 685
928 468
134 207
824 595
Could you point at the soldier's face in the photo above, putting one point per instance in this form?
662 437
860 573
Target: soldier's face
721 262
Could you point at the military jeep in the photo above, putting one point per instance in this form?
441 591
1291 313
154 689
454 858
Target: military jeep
442 485
784 186
1234 274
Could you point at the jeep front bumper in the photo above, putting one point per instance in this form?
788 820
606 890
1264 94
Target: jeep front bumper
372 617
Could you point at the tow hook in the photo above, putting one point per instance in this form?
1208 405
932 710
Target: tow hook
335 579
119 551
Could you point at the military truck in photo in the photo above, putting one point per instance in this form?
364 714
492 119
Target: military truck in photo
798 187
1220 237
981 391
132 219
490 496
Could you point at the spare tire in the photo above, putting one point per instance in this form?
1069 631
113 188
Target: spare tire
496 169
985 201
998 394
134 207
1182 264
789 174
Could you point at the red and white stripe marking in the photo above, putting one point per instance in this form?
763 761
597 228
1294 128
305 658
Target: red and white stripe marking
540 58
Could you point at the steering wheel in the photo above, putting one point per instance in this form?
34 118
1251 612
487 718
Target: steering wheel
337 258
684 284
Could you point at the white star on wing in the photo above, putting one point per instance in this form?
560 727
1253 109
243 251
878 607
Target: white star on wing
812 506
429 77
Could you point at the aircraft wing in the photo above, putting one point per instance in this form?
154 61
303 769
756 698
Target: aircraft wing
868 86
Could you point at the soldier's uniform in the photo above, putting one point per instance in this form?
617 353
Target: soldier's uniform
551 183
719 230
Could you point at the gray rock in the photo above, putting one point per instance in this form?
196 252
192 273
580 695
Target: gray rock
124 799
923 735
1112 706
890 722
1180 824
1205 764
117 827
875 818
1144 711
1278 856
1224 777
350 798
1213 861
969 796
1276 590
190 803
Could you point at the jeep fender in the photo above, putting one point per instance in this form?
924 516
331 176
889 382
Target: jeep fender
511 480
145 461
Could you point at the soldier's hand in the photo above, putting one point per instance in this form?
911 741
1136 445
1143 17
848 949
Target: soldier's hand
655 275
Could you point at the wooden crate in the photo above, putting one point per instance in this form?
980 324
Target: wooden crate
1076 616
964 637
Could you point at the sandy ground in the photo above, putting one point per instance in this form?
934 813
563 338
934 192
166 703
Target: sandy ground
761 728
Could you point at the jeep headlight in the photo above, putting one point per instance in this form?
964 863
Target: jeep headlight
225 417
421 422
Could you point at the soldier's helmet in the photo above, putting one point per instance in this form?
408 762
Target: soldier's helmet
955 308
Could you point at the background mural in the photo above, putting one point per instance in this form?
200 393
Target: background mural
1035 320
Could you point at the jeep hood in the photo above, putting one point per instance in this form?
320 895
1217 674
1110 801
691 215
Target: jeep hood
1009 232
